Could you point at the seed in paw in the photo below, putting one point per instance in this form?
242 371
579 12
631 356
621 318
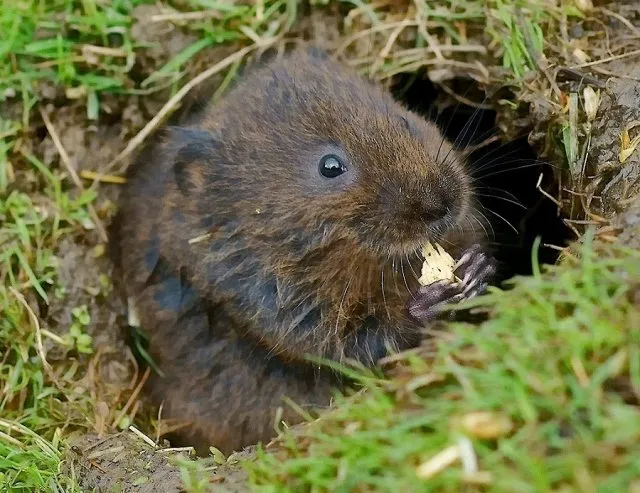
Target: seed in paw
438 265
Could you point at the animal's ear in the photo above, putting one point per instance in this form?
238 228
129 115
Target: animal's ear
262 60
192 149
317 53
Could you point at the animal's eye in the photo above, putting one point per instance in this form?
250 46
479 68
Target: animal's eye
331 166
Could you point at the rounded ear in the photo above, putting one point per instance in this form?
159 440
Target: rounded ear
192 149
261 60
317 53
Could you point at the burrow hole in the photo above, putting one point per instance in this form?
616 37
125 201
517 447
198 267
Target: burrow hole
506 174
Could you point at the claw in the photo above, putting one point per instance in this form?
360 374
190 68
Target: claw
477 268
431 300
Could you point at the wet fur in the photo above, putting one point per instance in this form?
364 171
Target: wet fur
282 268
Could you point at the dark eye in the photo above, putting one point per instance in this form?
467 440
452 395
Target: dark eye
331 166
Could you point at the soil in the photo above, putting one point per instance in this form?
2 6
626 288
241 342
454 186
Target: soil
599 184
125 463
122 461
629 225
615 182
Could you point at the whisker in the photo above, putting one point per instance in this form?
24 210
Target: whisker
482 226
502 171
411 266
463 133
446 130
495 189
500 147
507 163
384 297
503 219
465 129
514 202
344 294
485 138
418 257
404 277
493 231
395 277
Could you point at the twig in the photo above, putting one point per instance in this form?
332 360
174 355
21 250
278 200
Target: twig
101 441
36 327
159 421
422 19
113 179
389 45
376 29
189 450
545 193
94 464
473 148
438 463
187 16
132 398
64 157
619 17
581 77
142 436
608 59
609 73
580 372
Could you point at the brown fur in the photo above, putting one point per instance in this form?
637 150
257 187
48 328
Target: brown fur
290 264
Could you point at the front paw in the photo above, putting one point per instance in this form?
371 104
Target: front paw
474 269
431 300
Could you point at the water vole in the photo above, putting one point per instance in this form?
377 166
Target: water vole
285 221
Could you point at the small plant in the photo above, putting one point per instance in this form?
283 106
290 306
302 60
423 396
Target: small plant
76 338
194 474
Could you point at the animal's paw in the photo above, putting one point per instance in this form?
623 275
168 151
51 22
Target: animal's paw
475 268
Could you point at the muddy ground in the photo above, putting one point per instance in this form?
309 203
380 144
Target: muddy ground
597 186
124 462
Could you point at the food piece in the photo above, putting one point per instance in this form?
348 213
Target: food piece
438 265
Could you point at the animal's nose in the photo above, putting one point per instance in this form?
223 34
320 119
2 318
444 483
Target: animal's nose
436 204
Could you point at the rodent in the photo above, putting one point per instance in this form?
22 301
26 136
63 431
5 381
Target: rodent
285 221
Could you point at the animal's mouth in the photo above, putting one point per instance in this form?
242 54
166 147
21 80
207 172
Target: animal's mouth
404 237
419 237
410 248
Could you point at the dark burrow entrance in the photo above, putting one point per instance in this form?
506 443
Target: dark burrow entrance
505 174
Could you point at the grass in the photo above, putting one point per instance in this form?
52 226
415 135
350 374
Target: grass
29 462
30 401
88 48
555 370
480 33
87 51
